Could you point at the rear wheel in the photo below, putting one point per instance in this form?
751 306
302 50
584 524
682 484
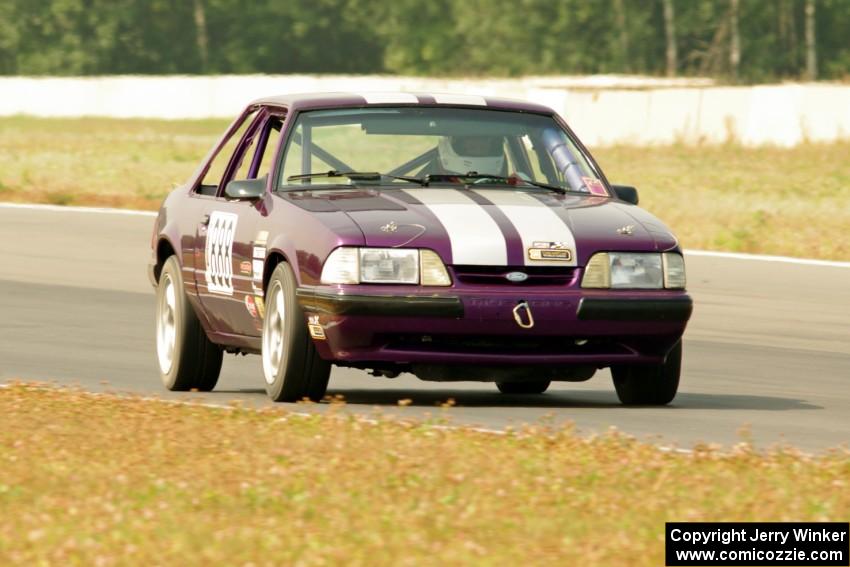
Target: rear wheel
526 387
292 368
188 360
654 385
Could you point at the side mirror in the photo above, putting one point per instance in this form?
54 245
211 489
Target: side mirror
626 193
245 189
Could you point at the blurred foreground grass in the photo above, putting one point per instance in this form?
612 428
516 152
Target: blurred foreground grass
103 480
763 200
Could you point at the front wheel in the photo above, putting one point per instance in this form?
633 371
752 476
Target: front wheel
650 385
188 360
292 368
526 387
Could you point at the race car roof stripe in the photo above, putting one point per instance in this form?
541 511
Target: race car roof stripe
389 98
473 100
474 236
535 221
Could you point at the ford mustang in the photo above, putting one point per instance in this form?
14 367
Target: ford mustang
453 237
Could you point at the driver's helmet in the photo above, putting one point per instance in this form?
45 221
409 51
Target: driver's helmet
463 154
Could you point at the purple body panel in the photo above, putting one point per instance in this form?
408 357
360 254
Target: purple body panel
304 227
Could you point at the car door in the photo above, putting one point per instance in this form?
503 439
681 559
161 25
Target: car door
233 245
217 250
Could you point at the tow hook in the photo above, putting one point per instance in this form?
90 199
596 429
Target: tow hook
521 307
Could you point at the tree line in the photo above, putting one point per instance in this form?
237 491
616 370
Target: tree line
733 40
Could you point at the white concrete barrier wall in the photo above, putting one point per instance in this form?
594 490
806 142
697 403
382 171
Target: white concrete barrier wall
603 110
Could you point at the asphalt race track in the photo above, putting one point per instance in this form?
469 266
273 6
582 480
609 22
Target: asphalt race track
768 348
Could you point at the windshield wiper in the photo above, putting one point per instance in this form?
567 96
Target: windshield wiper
354 175
431 177
501 178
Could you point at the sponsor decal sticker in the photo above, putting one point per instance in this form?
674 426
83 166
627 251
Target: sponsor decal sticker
552 251
261 306
550 245
262 238
219 252
251 306
245 268
315 328
258 271
595 186
259 252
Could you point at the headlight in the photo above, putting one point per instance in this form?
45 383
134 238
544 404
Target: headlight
635 270
384 266
389 265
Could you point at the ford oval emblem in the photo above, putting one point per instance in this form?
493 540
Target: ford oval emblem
516 276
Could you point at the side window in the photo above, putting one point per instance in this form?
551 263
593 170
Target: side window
266 158
292 158
242 168
255 164
209 183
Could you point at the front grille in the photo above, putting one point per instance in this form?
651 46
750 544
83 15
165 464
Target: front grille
495 275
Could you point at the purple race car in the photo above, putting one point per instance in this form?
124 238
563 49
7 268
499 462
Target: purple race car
453 237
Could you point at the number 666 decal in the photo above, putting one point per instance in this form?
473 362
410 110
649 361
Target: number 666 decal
219 252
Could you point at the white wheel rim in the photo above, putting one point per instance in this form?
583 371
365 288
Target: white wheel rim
166 324
274 333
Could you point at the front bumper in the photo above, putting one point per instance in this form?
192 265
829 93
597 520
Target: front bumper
366 326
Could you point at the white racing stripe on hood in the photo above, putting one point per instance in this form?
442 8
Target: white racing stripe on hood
475 237
534 221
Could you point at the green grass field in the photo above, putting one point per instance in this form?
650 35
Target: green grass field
102 480
764 200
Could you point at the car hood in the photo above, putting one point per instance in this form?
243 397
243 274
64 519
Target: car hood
495 226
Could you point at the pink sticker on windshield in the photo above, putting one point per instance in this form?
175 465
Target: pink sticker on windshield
595 186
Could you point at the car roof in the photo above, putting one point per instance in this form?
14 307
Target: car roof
311 101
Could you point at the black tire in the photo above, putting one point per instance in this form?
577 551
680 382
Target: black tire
525 387
651 385
292 368
195 362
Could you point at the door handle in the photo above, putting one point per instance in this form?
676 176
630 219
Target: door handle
205 220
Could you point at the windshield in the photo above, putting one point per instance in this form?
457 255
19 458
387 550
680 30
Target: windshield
400 146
